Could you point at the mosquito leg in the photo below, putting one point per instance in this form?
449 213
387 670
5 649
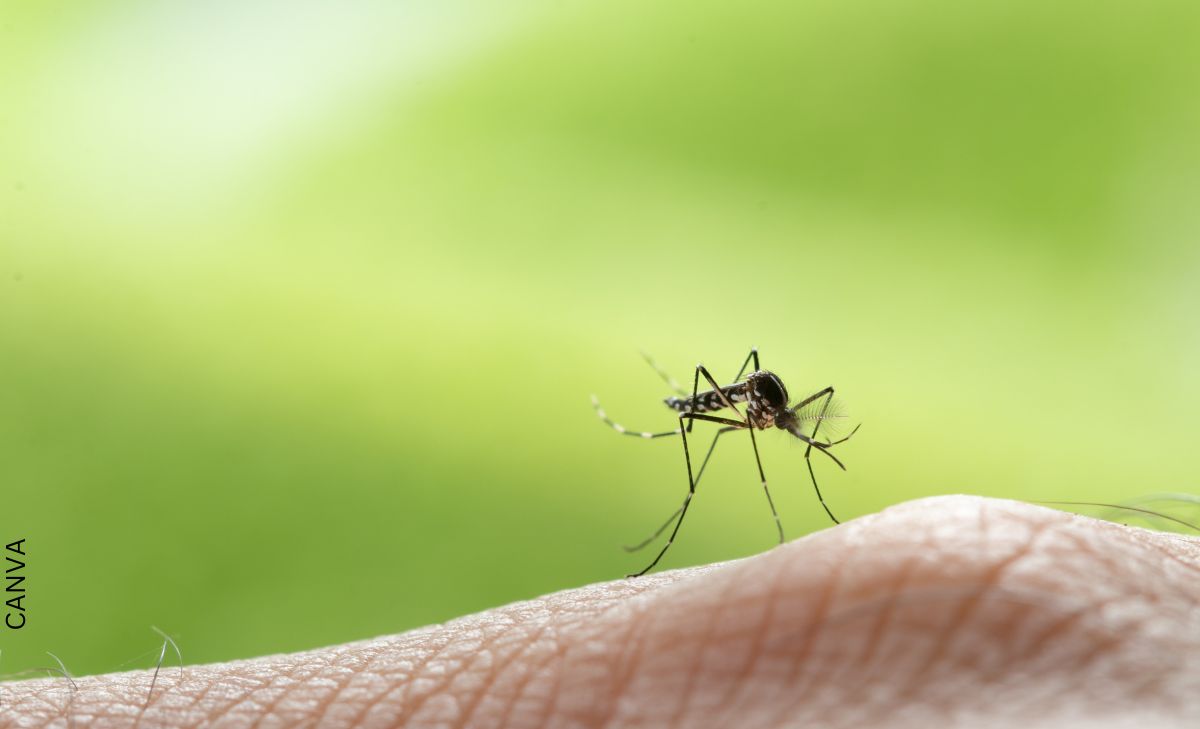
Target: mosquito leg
752 356
762 477
824 412
699 475
812 474
823 448
622 429
736 424
813 398
827 393
720 393
695 394
671 381
645 542
687 458
843 440
701 370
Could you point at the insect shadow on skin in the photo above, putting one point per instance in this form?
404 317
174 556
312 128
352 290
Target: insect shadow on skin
766 401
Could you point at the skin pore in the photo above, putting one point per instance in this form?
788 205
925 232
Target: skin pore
945 612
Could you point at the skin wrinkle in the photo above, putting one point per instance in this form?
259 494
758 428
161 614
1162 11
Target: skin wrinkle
1016 616
540 700
637 638
1141 690
262 708
929 544
289 684
964 664
1097 622
1056 628
1187 560
381 654
934 690
206 691
613 595
559 657
552 657
500 667
146 706
1085 548
733 577
916 686
330 695
824 604
275 693
875 637
1179 549
523 682
611 600
365 668
61 709
1076 663
887 606
38 690
716 614
628 657
772 600
630 596
538 671
401 693
454 644
368 702
990 578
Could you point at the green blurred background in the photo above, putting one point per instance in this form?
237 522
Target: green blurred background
301 303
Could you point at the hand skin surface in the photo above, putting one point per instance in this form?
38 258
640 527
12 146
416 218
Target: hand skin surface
945 612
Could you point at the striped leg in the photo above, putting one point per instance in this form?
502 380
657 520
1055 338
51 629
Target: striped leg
762 477
753 355
622 429
808 450
671 381
827 393
699 475
732 424
717 388
687 458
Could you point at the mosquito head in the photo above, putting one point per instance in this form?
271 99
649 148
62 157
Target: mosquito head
766 398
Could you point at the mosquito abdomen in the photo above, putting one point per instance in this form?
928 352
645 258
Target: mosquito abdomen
707 402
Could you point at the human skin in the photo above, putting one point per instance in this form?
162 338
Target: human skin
946 612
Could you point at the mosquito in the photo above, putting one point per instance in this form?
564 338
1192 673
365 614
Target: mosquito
766 401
